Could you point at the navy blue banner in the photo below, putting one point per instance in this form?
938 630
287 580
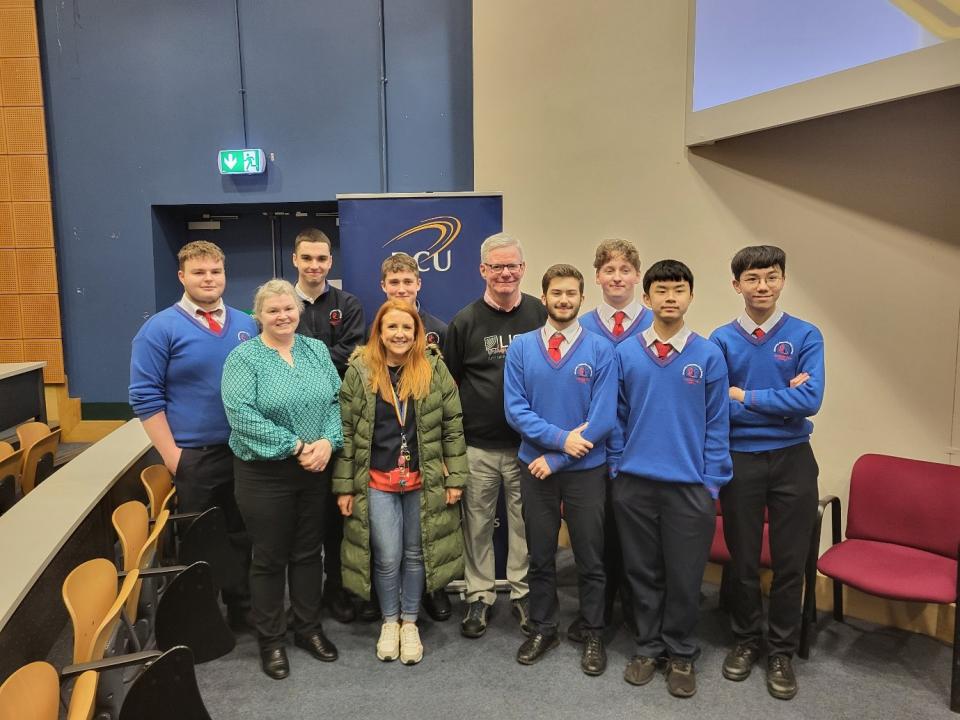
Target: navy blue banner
441 232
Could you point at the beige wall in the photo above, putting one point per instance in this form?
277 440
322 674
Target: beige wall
579 111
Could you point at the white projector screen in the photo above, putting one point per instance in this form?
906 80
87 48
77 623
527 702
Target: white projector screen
757 64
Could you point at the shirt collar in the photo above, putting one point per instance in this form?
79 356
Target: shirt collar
488 299
749 325
570 333
193 309
678 342
606 311
306 298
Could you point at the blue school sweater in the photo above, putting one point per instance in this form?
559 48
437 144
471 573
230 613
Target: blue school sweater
773 415
544 400
673 420
591 321
175 367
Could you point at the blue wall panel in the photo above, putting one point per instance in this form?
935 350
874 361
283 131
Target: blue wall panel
141 94
429 62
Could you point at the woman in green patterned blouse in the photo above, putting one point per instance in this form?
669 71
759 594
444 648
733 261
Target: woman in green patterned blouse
280 391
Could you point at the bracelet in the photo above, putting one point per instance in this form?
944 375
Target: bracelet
302 446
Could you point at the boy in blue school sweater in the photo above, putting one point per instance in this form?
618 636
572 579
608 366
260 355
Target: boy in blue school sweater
560 394
670 458
776 383
619 317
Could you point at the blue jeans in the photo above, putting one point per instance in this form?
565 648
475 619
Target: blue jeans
398 571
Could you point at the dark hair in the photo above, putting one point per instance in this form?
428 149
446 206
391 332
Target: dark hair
561 270
312 235
667 271
757 257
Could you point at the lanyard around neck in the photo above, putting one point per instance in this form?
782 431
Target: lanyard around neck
399 408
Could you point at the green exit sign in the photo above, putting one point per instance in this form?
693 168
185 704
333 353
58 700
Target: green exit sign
242 162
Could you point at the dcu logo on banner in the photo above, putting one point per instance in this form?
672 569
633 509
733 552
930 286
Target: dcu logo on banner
783 350
449 228
692 374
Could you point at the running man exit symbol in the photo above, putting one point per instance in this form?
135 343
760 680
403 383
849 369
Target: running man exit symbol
242 162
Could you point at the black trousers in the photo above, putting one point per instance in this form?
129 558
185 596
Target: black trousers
204 480
665 531
785 482
284 507
613 564
582 493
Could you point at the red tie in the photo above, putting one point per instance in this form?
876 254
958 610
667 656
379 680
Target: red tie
618 318
211 321
759 333
663 349
553 347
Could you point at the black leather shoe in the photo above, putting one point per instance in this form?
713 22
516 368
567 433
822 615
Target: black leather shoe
437 605
781 680
593 661
318 645
368 610
575 631
740 661
339 605
274 663
536 647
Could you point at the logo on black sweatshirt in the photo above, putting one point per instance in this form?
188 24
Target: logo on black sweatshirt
336 317
496 346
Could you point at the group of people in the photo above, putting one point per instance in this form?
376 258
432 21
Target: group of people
367 462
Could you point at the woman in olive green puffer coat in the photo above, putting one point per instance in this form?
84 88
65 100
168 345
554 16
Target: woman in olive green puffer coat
396 362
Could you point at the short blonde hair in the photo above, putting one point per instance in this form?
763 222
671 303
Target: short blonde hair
272 288
199 249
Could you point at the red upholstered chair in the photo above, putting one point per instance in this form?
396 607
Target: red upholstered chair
903 539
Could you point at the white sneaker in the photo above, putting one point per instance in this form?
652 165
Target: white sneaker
388 646
411 649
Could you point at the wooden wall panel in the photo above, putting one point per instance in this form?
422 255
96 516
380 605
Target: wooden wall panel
10 328
28 177
24 131
8 272
18 32
49 350
11 351
39 316
20 82
32 224
6 225
36 271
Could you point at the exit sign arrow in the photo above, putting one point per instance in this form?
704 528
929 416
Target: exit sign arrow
248 161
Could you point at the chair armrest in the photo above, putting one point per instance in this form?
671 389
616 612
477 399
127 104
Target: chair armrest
834 502
111 663
157 572
179 517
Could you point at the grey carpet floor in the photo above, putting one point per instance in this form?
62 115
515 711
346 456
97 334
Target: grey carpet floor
856 670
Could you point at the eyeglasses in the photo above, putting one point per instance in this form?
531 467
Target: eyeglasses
511 268
754 280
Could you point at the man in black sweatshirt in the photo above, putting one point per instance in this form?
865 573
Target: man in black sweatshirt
335 317
475 349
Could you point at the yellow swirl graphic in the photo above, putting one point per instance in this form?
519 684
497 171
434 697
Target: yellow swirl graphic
447 225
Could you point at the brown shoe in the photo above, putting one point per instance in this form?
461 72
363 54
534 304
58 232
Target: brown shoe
681 678
640 670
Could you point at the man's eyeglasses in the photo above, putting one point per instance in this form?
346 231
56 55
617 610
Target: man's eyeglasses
511 268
